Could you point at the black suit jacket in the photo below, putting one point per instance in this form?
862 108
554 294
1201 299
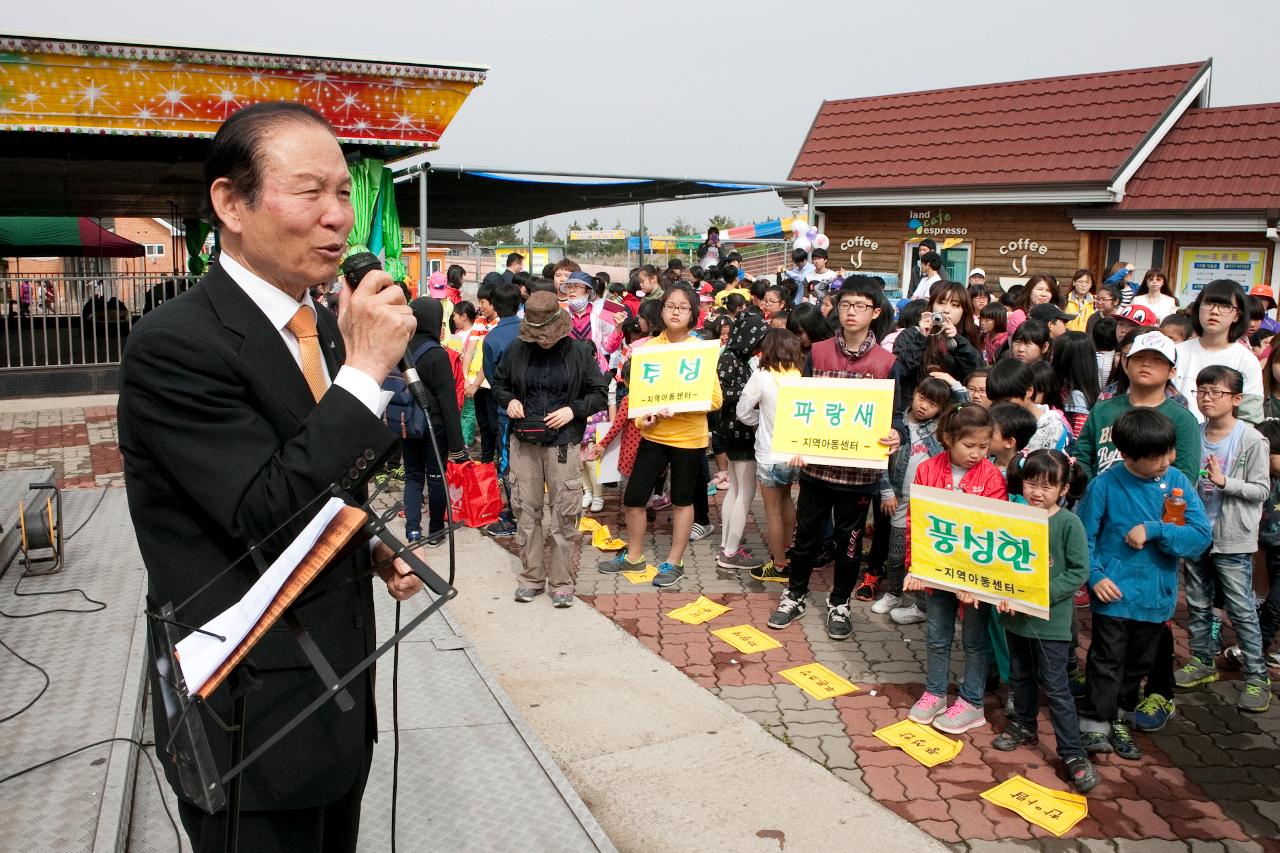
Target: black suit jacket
222 441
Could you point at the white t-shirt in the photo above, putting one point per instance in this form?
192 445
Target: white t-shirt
757 406
1161 305
1192 358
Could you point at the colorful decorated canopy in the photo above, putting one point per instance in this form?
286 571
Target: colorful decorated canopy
62 237
147 90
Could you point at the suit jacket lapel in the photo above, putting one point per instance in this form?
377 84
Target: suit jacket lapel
330 341
261 347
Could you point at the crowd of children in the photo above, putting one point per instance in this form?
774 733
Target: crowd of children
1143 430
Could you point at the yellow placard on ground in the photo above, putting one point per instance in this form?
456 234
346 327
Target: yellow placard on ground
1054 811
680 377
818 681
602 539
833 421
698 611
747 639
922 743
997 550
647 576
588 525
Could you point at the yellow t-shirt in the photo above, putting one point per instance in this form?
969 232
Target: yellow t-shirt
724 294
683 429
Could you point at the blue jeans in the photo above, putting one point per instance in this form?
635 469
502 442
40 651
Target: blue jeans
940 612
1035 662
1235 573
420 466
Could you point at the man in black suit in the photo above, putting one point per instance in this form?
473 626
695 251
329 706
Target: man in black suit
239 404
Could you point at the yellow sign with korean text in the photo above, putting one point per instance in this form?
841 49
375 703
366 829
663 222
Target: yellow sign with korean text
818 681
701 609
997 550
922 743
678 377
1053 811
747 639
833 421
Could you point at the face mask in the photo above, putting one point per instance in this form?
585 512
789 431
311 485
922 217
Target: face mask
577 303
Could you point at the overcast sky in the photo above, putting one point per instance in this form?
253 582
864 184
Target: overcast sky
722 90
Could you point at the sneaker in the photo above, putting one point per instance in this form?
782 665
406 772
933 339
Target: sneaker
527 593
1015 734
885 603
1122 742
1273 660
866 591
668 574
658 502
1152 713
769 573
1233 657
586 500
926 708
1081 598
789 610
413 536
1096 743
738 560
501 529
620 563
1075 681
959 718
838 625
561 598
1194 673
1081 774
597 504
435 539
1255 697
701 531
909 615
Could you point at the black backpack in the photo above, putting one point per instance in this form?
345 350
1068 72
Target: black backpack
404 417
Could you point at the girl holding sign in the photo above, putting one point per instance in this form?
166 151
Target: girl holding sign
1039 649
966 433
675 440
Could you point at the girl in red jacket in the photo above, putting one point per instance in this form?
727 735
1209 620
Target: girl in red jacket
966 433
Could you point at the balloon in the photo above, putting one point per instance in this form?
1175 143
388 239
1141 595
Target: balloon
801 243
811 233
821 242
798 226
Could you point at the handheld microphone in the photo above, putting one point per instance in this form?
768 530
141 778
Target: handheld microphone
355 268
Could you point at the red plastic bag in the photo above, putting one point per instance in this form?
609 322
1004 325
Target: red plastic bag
473 493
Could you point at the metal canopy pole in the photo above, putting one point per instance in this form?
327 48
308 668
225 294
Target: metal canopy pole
528 231
812 220
640 239
422 226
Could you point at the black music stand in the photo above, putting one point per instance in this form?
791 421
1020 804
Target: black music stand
188 744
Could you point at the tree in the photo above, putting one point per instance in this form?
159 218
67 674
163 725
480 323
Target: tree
722 222
544 233
681 227
497 235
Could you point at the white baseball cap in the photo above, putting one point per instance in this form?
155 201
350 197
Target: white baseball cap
977 271
1155 342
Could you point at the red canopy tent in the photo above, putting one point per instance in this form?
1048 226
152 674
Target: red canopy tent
62 237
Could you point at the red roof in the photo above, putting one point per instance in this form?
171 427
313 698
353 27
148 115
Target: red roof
1225 158
1059 130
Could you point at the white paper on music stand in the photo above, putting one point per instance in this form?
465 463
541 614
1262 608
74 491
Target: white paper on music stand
200 655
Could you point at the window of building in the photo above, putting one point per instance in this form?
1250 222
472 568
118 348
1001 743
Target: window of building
1144 253
435 265
154 250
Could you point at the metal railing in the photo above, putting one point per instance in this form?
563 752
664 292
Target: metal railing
75 321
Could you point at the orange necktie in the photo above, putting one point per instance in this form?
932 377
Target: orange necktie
303 326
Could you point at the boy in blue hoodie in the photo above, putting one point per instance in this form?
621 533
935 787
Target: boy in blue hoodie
1133 571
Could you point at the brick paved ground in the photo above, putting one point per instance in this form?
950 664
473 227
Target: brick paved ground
1209 781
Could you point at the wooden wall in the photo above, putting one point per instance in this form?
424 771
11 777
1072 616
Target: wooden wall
989 229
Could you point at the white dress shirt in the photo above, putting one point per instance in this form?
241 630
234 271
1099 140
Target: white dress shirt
279 308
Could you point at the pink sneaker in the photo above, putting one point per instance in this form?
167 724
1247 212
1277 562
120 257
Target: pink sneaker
926 708
959 718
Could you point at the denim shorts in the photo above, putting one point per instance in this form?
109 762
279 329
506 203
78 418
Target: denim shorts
776 474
